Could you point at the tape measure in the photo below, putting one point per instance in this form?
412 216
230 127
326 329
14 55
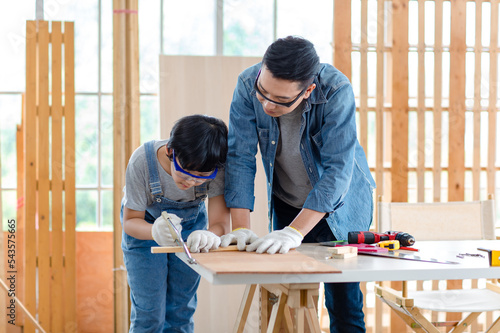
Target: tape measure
389 244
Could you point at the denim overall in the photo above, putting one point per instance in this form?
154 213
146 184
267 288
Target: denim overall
162 287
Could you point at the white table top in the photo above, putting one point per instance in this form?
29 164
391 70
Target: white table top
370 268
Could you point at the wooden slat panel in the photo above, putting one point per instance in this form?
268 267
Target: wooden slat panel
438 92
421 103
43 176
342 36
363 98
456 164
456 167
30 172
69 179
492 109
400 101
57 309
476 167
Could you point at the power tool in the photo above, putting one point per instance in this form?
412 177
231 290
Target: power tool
368 237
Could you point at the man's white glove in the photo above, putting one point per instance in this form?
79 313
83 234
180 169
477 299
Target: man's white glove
240 236
202 241
279 240
161 231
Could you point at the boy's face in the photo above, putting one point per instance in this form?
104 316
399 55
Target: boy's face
182 177
272 93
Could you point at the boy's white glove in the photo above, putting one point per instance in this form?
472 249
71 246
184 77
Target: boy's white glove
282 240
202 241
240 236
161 232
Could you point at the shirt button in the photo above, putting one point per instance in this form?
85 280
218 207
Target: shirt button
310 170
273 142
270 164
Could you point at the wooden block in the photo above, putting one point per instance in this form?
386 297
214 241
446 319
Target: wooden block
344 255
342 249
175 249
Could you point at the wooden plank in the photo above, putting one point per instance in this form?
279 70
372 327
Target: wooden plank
456 158
178 249
56 291
69 179
342 36
379 165
399 167
493 90
363 81
30 171
421 103
43 241
292 262
438 93
476 159
246 303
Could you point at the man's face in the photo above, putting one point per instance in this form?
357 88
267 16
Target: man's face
272 93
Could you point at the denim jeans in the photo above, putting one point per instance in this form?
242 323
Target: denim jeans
344 301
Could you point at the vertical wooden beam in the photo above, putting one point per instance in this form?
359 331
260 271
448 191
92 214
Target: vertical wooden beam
43 176
400 101
69 179
379 167
57 291
456 164
399 168
363 98
30 171
126 122
476 160
342 36
492 101
421 103
438 93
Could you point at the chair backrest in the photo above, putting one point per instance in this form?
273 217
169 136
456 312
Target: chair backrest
439 221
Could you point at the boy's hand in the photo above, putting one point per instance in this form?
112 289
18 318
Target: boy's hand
278 240
161 232
241 237
202 241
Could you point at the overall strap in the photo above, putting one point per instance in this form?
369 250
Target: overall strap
154 177
200 191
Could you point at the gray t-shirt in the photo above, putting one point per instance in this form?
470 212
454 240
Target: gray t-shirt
137 194
291 183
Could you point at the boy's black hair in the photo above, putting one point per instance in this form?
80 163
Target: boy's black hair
292 58
199 142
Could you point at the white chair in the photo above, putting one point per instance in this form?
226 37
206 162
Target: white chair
440 221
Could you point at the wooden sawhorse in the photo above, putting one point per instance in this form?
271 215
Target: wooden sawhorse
292 307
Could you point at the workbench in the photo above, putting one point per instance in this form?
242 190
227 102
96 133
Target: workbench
299 289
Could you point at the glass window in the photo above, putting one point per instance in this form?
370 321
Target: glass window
86 140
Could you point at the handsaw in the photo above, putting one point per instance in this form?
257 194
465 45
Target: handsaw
407 256
177 237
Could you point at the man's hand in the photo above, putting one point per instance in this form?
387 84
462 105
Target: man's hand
241 237
161 232
279 240
202 241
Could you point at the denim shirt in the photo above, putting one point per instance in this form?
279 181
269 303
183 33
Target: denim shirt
333 158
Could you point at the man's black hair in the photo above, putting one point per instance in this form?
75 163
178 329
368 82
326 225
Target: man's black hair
199 142
292 58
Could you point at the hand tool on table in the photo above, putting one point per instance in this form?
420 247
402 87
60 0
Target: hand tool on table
407 256
369 237
176 249
493 256
178 238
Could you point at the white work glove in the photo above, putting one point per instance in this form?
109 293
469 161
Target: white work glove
282 240
202 241
240 236
161 231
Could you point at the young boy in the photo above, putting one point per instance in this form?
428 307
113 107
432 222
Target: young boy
174 175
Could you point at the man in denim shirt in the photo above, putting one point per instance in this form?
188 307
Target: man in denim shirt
302 116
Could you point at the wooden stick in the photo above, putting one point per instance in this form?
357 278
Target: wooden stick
175 249
23 308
